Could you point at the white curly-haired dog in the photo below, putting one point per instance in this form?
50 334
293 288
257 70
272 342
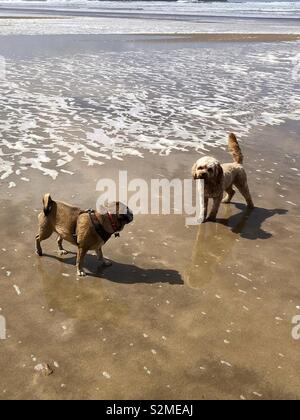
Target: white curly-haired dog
219 178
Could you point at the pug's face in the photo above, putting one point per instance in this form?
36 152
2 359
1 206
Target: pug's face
121 213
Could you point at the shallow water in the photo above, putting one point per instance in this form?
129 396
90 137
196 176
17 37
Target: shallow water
199 312
126 98
242 8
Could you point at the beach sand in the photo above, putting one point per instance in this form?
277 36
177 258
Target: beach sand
200 312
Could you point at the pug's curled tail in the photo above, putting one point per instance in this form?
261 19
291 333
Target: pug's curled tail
234 149
47 204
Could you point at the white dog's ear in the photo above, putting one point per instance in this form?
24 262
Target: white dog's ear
194 171
218 173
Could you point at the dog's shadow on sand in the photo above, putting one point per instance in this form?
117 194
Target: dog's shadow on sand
248 223
121 273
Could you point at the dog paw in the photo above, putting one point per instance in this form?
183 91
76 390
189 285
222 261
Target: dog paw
81 273
106 263
62 252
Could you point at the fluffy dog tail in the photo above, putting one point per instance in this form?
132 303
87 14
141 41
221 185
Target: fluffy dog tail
234 149
47 204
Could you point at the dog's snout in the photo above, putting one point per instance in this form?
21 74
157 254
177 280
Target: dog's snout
128 218
200 175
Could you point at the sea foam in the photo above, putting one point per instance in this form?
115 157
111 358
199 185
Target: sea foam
112 105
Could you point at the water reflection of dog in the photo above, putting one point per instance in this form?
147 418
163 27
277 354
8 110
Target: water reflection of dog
212 247
215 243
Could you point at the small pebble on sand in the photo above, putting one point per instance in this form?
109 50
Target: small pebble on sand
106 375
43 369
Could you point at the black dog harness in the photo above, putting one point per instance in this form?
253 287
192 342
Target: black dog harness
104 235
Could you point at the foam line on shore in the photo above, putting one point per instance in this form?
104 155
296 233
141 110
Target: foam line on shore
116 104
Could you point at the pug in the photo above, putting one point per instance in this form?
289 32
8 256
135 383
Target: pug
86 229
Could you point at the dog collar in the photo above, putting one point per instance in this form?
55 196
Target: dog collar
113 224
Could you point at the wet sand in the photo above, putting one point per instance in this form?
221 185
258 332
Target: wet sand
28 17
185 38
226 38
184 313
141 14
109 21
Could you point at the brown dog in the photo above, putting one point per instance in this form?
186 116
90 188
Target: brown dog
88 230
219 178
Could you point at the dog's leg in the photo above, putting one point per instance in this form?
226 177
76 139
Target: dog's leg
38 248
61 249
244 190
44 233
102 260
229 195
205 207
241 183
246 193
79 262
216 205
